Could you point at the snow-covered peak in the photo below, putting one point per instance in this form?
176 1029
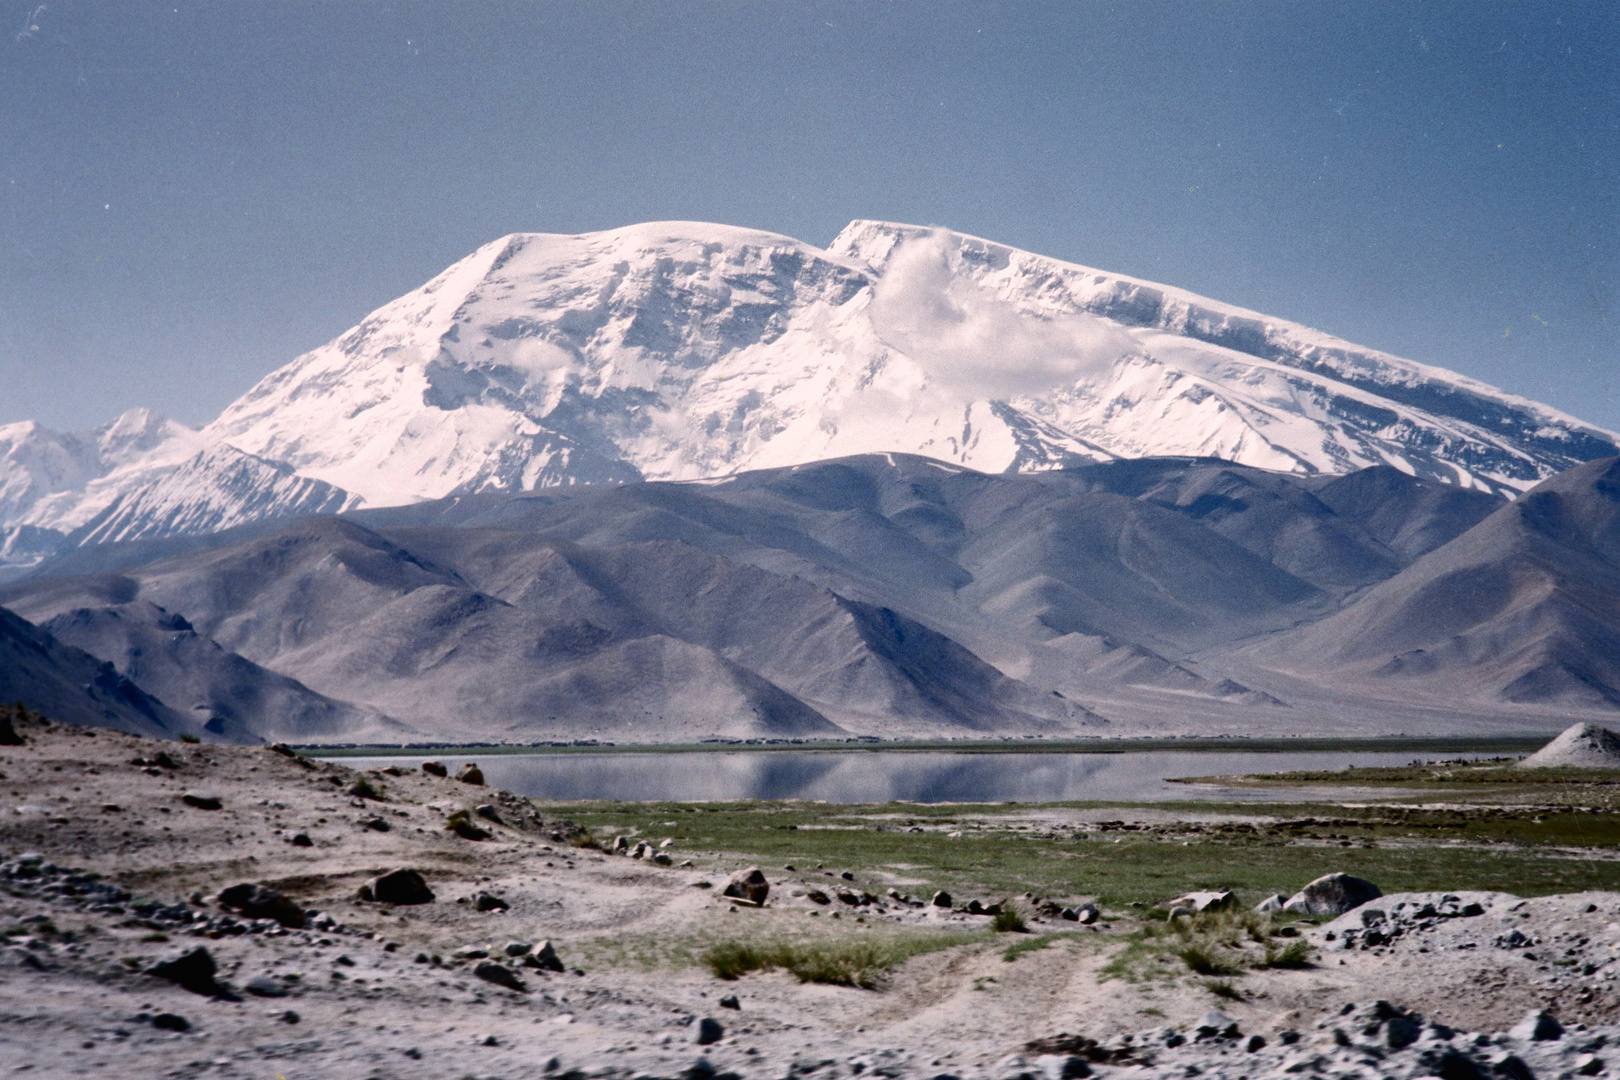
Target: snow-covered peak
684 350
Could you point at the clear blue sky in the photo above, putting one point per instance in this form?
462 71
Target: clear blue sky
191 195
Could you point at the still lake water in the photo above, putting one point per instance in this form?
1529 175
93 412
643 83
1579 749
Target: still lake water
875 776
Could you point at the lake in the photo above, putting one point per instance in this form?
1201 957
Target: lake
875 776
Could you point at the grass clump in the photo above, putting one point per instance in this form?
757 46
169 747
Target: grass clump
1296 954
364 788
1008 921
854 963
1207 958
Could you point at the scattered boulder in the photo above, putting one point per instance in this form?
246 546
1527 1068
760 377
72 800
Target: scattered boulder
297 838
1273 903
375 824
264 986
730 1002
816 896
487 901
662 858
941 899
749 885
461 824
435 768
261 902
470 773
201 801
1581 746
193 969
1218 900
397 887
1216 1025
1332 894
1537 1027
1086 914
518 948
544 957
171 1022
1062 1066
488 812
500 975
709 1031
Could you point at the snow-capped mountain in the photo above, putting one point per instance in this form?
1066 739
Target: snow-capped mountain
680 350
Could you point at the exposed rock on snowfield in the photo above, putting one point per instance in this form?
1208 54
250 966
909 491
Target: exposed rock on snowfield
1582 746
682 350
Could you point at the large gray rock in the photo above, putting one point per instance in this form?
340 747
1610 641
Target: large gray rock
1332 894
749 885
397 887
261 902
193 969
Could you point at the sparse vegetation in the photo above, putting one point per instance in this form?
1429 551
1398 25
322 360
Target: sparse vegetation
365 788
1295 954
838 963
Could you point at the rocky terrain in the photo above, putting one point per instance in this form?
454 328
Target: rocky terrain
549 949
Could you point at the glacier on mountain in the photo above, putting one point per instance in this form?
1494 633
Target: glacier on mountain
680 350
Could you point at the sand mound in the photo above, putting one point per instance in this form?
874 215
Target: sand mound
1585 746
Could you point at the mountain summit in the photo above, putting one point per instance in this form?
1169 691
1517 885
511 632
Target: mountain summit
683 350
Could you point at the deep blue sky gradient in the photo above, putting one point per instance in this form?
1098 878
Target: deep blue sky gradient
191 195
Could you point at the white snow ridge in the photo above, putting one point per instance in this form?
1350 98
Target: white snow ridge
682 350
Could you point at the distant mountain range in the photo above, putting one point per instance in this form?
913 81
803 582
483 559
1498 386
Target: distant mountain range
887 595
678 481
680 350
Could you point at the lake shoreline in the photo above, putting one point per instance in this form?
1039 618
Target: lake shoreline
1428 744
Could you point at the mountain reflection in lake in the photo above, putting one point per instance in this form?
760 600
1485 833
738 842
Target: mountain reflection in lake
875 776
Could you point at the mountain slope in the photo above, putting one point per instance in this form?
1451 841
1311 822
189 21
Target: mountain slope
1524 607
70 685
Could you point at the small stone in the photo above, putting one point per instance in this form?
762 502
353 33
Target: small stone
816 896
488 811
290 1017
749 885
518 948
730 1002
1255 1043
201 801
470 774
297 838
486 901
500 975
1086 914
375 824
941 899
662 858
709 1031
435 768
171 1022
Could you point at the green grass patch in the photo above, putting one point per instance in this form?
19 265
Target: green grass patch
861 963
1039 942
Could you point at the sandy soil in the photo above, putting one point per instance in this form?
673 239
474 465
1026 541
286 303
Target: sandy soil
360 994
